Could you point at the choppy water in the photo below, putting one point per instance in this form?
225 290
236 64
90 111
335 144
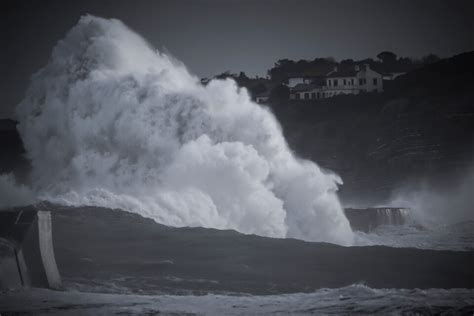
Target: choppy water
459 237
354 299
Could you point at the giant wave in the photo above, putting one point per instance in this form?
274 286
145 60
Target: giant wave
111 122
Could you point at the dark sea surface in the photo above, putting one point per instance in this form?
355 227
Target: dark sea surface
118 263
457 237
350 300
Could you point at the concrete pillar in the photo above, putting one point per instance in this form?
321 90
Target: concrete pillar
26 252
47 250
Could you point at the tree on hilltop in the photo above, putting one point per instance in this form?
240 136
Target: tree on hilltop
387 57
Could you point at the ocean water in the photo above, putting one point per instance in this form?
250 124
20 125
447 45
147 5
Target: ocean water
458 237
88 296
355 299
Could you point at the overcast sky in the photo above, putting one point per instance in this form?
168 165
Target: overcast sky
212 36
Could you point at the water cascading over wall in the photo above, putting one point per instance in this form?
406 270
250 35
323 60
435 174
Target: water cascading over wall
368 219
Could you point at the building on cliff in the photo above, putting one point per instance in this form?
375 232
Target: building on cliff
341 80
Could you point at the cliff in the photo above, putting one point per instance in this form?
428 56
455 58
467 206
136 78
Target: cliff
420 129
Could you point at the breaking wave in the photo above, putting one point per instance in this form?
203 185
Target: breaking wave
111 122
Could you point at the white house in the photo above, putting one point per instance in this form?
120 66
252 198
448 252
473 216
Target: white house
309 76
353 80
341 80
304 91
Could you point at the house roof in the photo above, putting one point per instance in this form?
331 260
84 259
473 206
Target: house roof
344 72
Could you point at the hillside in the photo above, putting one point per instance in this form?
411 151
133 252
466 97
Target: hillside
420 129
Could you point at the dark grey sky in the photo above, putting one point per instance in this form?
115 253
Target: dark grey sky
211 36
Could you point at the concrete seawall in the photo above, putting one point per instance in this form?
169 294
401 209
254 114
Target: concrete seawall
368 219
26 250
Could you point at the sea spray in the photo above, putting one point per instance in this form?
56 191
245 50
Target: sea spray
14 194
433 205
111 122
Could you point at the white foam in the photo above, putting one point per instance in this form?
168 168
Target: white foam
111 122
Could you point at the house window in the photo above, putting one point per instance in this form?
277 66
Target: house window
306 96
313 95
362 81
375 81
297 96
329 82
335 82
318 95
344 81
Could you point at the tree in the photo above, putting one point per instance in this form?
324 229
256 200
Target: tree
242 79
347 62
405 61
430 59
330 59
243 76
258 89
387 57
226 74
280 92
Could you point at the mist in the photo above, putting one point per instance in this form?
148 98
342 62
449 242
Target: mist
433 204
14 194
